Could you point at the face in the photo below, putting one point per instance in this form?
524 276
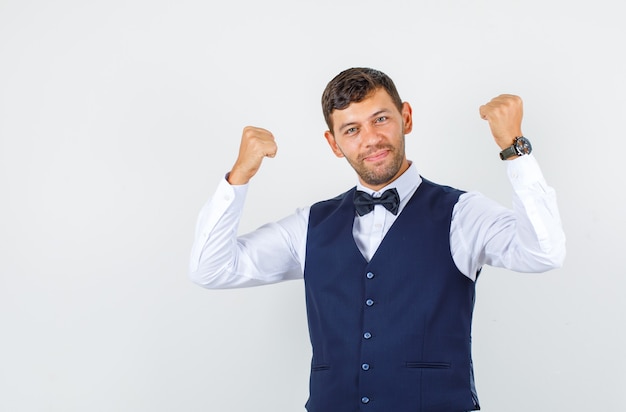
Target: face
370 135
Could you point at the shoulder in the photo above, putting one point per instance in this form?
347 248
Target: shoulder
335 201
325 208
439 191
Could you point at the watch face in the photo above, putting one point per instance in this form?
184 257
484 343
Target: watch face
523 146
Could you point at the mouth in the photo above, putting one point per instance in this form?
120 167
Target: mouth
376 156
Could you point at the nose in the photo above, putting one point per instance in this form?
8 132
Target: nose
370 136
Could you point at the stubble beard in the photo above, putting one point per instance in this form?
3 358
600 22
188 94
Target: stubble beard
378 175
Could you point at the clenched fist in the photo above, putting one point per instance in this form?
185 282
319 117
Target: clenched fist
256 144
504 114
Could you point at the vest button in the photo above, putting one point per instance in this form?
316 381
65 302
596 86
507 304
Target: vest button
365 399
369 302
370 275
365 366
367 335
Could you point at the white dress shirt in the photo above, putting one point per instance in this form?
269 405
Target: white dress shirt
528 238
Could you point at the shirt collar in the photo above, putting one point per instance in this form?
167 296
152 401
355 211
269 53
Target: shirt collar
405 184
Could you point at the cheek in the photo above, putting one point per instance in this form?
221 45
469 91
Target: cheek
349 148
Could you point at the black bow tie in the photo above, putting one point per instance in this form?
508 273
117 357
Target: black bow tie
364 202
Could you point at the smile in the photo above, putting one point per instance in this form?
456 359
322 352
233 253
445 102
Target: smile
374 157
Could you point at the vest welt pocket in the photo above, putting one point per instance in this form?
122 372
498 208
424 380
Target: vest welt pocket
316 368
429 365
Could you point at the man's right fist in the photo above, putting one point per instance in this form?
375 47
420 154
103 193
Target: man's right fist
256 143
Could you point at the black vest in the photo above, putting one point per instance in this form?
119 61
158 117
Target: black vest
392 334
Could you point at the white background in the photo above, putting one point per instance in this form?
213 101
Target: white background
118 118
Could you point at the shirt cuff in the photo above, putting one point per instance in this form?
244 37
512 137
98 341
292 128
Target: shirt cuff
227 194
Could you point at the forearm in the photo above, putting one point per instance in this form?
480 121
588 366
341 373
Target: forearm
213 255
538 242
538 223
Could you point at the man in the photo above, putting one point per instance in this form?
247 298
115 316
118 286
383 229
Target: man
389 266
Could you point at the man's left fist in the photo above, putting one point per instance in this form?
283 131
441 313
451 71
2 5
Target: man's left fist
504 114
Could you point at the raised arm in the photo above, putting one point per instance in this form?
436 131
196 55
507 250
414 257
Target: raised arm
222 259
527 238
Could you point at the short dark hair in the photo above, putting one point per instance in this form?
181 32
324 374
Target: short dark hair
352 86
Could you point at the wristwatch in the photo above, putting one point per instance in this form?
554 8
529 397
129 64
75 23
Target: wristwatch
521 146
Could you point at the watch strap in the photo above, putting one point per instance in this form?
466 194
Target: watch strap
508 152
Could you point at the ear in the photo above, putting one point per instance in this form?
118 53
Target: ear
333 143
407 117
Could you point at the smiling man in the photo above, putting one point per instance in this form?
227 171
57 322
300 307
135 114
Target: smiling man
390 265
370 135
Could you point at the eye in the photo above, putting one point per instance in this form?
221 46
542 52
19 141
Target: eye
381 119
351 130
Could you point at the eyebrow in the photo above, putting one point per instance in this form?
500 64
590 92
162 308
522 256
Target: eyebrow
373 115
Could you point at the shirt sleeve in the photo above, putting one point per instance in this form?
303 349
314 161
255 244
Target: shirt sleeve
222 259
528 238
